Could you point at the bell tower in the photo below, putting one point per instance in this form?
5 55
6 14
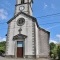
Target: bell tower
23 6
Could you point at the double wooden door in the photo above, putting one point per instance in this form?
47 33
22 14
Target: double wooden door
20 49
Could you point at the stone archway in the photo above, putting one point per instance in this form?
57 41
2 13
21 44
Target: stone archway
19 45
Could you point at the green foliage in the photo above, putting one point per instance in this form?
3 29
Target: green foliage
55 51
2 46
58 52
52 45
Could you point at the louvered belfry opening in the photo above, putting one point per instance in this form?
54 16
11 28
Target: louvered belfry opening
22 1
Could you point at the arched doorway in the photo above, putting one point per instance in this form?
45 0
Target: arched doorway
20 49
19 45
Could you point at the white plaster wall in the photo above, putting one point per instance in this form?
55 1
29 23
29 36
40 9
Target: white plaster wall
37 48
30 10
10 42
27 1
43 43
18 1
25 8
26 30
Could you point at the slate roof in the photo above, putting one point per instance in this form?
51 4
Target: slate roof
33 18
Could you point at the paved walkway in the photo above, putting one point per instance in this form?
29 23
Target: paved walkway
4 58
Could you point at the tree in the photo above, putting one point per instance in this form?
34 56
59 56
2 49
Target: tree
58 52
53 50
2 46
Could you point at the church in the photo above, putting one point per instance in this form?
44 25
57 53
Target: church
25 39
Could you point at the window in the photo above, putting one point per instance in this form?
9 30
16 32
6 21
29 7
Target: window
22 1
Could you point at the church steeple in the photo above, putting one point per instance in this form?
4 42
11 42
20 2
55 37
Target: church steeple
23 6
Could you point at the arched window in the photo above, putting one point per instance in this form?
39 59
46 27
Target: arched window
22 1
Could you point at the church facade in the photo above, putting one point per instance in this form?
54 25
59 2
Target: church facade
25 39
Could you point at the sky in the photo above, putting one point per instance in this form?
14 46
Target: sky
47 13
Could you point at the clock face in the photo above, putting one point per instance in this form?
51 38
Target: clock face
20 21
21 8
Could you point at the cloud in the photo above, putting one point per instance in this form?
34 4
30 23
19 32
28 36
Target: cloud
45 5
58 36
2 39
57 40
3 14
53 41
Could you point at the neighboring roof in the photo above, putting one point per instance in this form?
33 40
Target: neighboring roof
19 36
33 19
44 30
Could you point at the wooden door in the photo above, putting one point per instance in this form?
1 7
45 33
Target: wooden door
20 49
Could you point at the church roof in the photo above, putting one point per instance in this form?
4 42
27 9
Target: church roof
19 36
44 30
33 19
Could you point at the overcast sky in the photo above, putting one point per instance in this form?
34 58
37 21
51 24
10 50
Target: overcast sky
49 9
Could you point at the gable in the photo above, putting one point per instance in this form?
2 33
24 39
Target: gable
28 16
33 18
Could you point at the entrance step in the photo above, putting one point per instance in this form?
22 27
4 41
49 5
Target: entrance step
5 58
